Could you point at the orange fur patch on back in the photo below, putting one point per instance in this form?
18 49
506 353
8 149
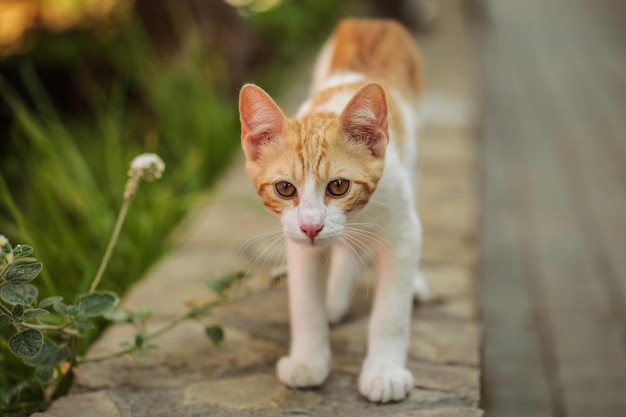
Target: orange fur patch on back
381 50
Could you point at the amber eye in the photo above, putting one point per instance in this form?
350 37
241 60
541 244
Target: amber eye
285 189
338 187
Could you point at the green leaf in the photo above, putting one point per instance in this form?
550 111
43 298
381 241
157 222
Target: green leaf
84 324
44 374
50 355
19 294
139 339
35 312
50 301
4 320
6 248
216 334
60 307
21 274
17 311
220 284
71 311
96 304
22 261
22 250
26 344
118 316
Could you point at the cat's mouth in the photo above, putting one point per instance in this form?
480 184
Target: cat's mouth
315 242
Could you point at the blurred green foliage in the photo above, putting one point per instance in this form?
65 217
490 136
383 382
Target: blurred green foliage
63 168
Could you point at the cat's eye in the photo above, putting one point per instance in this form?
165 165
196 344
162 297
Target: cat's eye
338 187
285 189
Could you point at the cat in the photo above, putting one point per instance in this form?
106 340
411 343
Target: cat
340 175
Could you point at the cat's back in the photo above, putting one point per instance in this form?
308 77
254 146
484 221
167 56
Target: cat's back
380 49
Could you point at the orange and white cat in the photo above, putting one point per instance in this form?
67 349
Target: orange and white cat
340 175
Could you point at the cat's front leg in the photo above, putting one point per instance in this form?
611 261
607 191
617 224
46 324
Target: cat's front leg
308 363
344 274
384 376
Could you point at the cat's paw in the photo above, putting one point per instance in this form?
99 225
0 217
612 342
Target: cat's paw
421 289
384 384
299 374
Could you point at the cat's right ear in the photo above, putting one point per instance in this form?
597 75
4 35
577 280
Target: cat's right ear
262 121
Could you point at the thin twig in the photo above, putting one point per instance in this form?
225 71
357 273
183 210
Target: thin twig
5 310
116 234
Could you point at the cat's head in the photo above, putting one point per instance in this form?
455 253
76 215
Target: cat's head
315 170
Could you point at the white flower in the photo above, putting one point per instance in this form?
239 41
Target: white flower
149 166
3 241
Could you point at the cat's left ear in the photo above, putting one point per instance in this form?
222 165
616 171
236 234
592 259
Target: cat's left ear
364 119
262 121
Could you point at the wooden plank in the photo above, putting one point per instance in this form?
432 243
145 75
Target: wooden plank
560 235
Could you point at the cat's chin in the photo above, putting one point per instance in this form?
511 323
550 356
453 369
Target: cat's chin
318 243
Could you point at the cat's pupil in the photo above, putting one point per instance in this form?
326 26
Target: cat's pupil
338 187
285 189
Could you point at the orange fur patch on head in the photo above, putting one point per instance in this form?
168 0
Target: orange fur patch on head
315 147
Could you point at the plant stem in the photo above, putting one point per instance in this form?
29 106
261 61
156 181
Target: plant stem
162 330
44 327
5 310
116 233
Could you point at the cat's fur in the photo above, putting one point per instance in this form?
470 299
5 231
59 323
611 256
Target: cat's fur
359 126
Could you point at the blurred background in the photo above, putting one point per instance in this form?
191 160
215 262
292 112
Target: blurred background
553 233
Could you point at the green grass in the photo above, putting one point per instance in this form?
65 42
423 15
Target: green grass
71 173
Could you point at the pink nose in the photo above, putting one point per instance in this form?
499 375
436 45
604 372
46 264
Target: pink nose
311 230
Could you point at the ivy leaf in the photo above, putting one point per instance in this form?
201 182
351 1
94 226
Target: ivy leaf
26 344
49 355
50 301
22 250
216 334
4 320
35 312
96 304
19 294
21 274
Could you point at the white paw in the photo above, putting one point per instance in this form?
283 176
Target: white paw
299 374
380 384
421 289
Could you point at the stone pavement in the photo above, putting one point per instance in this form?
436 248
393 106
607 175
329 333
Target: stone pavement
188 376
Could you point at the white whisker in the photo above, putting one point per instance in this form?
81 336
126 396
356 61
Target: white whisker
274 237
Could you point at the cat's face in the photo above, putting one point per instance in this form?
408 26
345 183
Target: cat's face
314 171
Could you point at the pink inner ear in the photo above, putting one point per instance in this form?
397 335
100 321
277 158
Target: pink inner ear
262 121
365 118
